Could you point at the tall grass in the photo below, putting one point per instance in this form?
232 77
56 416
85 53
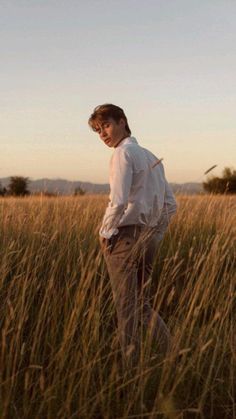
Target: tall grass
60 355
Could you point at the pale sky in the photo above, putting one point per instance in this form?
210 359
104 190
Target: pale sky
171 65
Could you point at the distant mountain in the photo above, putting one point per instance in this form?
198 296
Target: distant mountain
60 186
67 187
187 188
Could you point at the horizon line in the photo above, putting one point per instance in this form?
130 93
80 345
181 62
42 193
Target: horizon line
86 181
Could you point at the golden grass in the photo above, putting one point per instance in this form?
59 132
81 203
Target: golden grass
59 355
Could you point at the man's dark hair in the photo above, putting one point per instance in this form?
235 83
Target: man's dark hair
103 112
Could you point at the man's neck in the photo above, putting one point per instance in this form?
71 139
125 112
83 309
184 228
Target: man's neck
125 136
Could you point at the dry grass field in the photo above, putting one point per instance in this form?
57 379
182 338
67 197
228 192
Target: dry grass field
59 353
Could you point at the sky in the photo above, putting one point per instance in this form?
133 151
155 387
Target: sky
170 65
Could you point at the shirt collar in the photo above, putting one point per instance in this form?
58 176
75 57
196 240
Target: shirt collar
128 140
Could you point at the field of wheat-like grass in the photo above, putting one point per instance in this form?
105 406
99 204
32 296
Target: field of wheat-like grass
59 352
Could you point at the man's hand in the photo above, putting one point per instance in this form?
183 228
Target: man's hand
107 244
102 241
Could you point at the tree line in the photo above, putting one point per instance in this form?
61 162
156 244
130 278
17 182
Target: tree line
18 186
226 184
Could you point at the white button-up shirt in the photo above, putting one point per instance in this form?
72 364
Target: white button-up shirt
139 191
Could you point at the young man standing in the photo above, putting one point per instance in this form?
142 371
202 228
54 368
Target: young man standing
136 218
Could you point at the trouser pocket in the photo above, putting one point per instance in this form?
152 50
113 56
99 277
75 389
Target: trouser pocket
121 245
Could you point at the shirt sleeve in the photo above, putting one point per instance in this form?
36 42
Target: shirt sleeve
121 173
170 205
168 210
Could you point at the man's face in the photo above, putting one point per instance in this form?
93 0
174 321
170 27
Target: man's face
111 132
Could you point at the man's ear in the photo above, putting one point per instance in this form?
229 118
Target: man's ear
122 122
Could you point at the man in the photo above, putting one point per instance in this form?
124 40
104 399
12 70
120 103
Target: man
136 218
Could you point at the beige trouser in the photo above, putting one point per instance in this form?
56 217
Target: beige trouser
129 258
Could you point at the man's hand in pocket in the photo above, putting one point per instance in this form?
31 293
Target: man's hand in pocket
103 242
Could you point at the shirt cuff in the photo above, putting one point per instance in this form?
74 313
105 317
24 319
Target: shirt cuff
108 234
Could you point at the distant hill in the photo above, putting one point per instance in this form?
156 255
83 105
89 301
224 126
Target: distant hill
187 188
60 186
67 187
